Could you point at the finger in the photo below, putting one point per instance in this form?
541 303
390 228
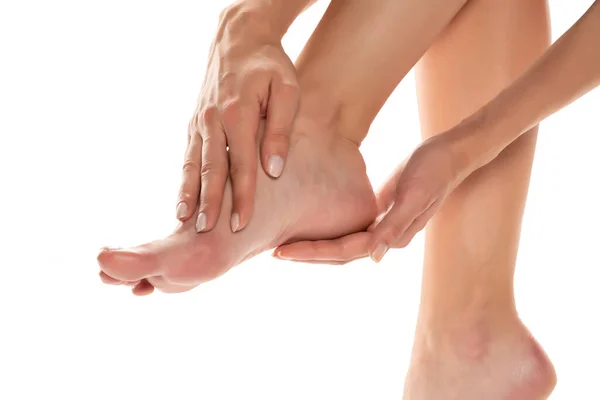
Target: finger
386 195
241 122
213 172
190 185
283 105
344 249
417 225
391 227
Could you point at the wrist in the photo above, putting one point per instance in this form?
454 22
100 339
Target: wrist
249 18
469 144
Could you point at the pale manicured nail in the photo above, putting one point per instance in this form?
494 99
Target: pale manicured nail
201 222
275 166
379 252
181 210
235 222
276 253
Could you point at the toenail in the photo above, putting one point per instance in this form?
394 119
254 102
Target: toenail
379 252
201 222
275 166
108 248
235 222
182 210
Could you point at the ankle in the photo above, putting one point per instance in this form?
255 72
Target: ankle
468 328
323 114
486 358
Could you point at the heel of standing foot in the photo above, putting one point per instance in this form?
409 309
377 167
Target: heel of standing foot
479 361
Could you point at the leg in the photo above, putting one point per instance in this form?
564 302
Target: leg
325 179
470 343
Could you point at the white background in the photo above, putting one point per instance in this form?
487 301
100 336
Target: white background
94 103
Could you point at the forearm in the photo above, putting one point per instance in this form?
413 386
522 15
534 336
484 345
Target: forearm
567 71
272 17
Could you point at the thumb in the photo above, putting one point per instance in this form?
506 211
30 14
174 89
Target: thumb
391 228
386 195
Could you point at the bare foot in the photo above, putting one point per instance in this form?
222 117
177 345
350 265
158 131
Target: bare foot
478 359
323 193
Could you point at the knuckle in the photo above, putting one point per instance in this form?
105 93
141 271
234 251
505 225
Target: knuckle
185 195
313 249
209 168
395 229
257 80
193 127
206 202
210 202
278 136
342 247
404 242
414 191
420 192
215 144
191 166
230 110
262 72
290 89
226 81
208 114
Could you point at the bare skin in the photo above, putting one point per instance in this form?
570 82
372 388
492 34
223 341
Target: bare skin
324 168
470 342
301 204
468 330
248 75
566 71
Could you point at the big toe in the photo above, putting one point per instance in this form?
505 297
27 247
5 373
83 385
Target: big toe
129 264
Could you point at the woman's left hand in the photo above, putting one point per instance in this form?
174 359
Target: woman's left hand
406 202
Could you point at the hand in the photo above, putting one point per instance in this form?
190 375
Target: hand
249 77
409 198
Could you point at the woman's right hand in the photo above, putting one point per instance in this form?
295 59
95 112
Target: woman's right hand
249 77
406 202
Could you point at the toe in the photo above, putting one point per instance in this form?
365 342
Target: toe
129 264
160 284
143 288
109 280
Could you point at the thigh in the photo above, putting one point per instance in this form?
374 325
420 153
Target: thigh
487 45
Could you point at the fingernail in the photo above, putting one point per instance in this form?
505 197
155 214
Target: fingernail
276 254
235 222
181 210
379 252
275 166
201 222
